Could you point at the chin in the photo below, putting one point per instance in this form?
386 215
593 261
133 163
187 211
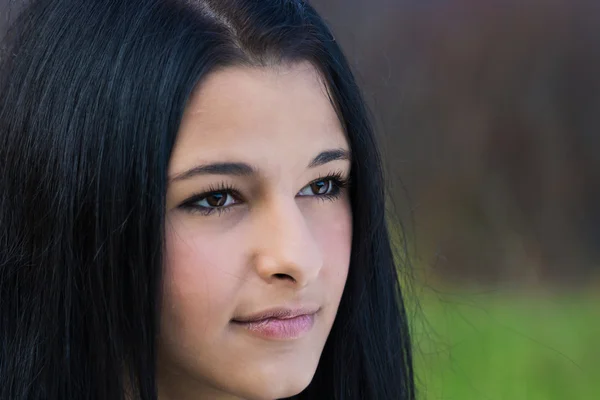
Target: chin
275 391
276 386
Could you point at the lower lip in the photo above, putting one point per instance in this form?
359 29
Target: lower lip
280 328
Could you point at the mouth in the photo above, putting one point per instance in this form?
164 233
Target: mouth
279 323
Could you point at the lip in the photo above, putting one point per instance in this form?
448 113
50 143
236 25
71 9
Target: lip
279 323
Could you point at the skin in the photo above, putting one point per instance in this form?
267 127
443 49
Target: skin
279 244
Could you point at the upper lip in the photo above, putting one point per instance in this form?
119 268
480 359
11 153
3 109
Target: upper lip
279 313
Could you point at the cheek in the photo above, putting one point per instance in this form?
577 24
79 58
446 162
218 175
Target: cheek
332 229
200 278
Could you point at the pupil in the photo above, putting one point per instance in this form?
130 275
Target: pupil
320 187
216 199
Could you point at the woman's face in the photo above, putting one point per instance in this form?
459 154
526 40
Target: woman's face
258 236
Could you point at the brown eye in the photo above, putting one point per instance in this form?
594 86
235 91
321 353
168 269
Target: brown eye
320 187
216 200
213 201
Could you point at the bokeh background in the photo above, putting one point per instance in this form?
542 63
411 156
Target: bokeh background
488 112
489 115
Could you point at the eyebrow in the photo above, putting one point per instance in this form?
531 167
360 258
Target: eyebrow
244 169
328 156
223 168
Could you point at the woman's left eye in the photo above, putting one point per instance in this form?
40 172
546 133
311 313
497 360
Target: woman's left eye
322 187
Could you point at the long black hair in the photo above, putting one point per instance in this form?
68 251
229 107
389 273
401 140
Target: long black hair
92 96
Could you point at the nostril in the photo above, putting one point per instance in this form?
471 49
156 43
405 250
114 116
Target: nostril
284 276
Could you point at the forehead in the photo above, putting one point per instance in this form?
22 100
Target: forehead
261 114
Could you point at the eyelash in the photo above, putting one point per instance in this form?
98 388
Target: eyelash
337 181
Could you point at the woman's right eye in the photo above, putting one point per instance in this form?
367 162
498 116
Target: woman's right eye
218 201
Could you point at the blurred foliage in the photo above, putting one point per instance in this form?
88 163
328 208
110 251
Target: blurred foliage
501 346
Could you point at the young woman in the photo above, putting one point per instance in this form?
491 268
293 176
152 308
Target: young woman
191 207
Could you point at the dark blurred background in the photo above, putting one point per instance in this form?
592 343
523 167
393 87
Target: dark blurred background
488 112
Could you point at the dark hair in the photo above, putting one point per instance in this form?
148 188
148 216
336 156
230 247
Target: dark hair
92 96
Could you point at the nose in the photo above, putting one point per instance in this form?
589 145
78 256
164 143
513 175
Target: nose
285 249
